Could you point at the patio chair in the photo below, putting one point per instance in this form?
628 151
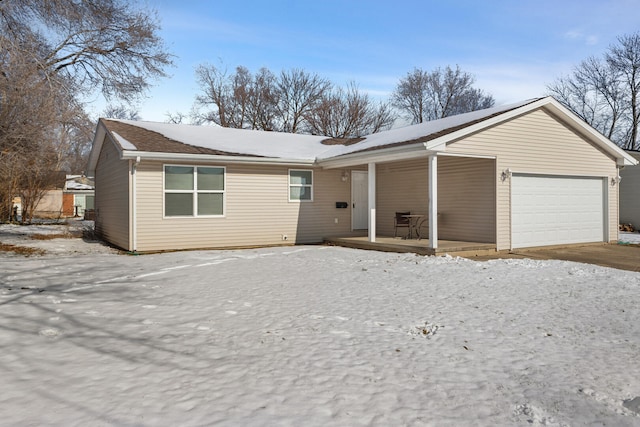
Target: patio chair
401 221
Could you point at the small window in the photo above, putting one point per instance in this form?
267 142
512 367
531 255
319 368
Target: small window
300 185
194 191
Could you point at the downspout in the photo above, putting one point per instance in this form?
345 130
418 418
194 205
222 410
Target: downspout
134 213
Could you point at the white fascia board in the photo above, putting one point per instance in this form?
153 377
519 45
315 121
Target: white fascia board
622 157
403 152
209 158
98 141
96 147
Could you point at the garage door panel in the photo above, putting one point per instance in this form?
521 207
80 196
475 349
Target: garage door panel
549 210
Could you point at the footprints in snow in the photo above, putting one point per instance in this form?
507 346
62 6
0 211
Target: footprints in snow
539 417
234 312
51 333
424 329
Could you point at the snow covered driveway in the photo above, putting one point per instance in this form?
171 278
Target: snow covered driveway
315 336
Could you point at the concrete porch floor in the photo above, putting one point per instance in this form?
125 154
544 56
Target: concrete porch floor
396 244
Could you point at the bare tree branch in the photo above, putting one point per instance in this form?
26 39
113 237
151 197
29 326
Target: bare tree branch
606 92
52 54
423 96
348 114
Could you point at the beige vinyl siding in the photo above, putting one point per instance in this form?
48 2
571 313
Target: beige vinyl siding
537 143
257 210
112 197
630 195
466 196
400 187
466 199
318 219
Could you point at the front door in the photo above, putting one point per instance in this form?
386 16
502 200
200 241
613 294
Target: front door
359 200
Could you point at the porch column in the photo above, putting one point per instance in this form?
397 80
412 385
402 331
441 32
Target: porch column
371 186
433 201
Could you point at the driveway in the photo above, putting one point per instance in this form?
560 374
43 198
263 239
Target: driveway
624 257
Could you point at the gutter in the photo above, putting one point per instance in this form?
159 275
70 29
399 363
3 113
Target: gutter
134 210
401 152
209 158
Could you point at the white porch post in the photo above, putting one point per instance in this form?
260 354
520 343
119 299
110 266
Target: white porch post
433 201
371 185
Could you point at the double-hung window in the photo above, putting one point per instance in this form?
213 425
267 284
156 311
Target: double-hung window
194 191
300 185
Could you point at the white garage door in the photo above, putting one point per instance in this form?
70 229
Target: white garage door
551 210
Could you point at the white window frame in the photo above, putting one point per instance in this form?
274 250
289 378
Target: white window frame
194 192
290 185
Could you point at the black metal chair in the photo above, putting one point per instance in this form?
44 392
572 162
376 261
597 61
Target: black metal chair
401 221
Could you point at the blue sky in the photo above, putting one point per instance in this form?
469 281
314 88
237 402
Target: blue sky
513 48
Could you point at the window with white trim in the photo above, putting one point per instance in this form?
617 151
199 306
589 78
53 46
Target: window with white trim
194 191
300 185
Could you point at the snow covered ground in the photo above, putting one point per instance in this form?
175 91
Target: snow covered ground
313 336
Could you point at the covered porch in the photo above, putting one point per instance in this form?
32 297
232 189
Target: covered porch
453 196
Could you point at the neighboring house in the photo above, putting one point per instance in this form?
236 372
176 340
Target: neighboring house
520 175
78 195
630 193
50 205
69 197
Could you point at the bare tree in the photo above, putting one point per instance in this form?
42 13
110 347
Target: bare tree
10 163
72 138
52 54
410 95
225 96
264 99
605 92
298 94
27 114
120 111
176 118
423 96
103 44
625 60
295 101
348 113
594 94
39 174
42 130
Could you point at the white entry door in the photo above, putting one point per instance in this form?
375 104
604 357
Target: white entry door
554 210
359 200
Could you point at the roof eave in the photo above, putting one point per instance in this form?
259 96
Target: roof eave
390 154
177 157
96 147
